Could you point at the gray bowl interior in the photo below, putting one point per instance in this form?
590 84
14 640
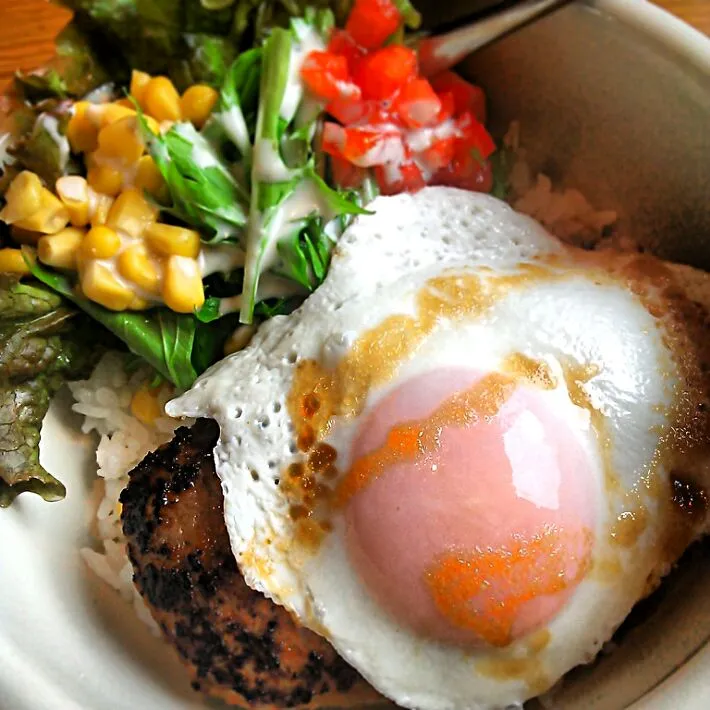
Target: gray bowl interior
612 111
609 110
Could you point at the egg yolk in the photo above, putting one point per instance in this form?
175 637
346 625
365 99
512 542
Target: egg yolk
470 506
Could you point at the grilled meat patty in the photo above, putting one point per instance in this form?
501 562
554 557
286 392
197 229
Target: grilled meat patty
237 645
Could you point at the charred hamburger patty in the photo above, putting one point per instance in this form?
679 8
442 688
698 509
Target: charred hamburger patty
237 645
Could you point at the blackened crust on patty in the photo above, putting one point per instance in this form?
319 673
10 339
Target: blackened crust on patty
237 645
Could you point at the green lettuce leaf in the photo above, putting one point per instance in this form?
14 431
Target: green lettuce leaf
162 338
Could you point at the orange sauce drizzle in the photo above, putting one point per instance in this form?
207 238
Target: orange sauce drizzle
525 569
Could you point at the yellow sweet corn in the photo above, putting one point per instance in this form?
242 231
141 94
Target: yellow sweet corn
139 82
125 102
73 191
23 198
99 207
113 112
23 236
148 178
12 262
105 179
197 103
60 250
122 140
101 286
145 405
100 242
139 304
182 285
49 219
131 213
167 240
135 265
82 130
162 100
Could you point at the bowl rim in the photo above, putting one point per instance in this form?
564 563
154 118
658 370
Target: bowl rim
688 686
682 38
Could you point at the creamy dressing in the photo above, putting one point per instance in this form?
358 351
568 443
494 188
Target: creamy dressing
420 139
270 286
51 126
220 258
308 41
234 125
268 163
279 222
203 157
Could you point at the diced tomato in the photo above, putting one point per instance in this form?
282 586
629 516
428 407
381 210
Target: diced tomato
417 104
381 74
448 106
345 174
343 44
475 136
403 177
439 154
326 75
467 97
370 112
368 147
371 22
466 172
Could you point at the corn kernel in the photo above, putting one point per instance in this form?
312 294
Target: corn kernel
139 82
131 213
135 265
197 103
139 304
149 178
105 179
125 102
182 285
23 236
82 130
73 191
166 239
23 198
12 262
162 100
101 286
51 217
113 112
100 243
99 207
59 250
145 405
122 140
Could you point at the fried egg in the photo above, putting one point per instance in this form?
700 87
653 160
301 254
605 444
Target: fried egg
470 452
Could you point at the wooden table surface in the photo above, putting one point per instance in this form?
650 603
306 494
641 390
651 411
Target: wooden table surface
27 29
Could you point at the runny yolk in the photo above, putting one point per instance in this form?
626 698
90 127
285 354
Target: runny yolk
470 506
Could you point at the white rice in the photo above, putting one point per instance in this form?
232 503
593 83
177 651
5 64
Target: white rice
104 400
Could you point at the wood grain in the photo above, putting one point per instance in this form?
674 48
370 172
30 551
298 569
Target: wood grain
28 28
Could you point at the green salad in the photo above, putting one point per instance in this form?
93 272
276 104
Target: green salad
183 170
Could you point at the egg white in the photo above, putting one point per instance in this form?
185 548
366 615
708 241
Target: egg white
580 316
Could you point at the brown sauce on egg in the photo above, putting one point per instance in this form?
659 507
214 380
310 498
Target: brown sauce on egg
318 394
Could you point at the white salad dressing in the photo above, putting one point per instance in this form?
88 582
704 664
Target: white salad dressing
268 163
234 125
270 286
220 258
51 125
308 41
